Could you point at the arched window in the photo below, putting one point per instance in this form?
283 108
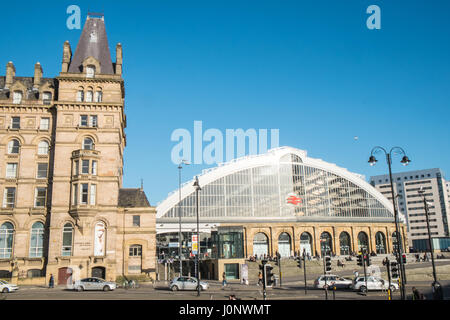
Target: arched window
305 244
17 97
284 245
260 244
344 243
363 242
89 95
13 146
37 240
88 144
43 147
326 243
380 243
80 95
67 240
6 240
98 96
99 239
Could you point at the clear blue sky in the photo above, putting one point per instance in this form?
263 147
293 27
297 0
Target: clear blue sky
311 69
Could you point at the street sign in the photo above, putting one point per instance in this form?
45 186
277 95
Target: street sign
194 244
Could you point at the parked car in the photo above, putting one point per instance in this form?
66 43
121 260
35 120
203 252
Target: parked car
373 283
94 284
187 283
339 282
6 287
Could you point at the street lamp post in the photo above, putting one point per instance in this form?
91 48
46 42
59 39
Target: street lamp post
197 271
405 160
180 166
436 285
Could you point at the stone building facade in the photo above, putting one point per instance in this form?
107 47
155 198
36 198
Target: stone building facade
64 211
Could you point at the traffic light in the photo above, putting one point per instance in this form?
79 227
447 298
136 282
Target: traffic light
327 264
360 260
394 270
299 262
269 276
404 258
368 260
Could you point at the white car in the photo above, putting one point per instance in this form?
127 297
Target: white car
332 280
373 283
93 284
187 283
6 287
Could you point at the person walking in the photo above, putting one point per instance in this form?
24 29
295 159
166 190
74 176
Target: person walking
260 278
416 294
224 280
51 282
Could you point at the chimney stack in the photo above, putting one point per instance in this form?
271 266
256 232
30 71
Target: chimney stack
10 74
67 56
119 59
37 75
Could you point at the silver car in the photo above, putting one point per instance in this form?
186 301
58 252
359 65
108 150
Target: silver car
94 284
373 283
332 280
6 287
186 283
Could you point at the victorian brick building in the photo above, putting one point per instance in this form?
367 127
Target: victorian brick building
64 211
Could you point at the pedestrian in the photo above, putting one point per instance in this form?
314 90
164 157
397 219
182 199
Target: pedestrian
416 294
356 274
51 282
260 278
224 280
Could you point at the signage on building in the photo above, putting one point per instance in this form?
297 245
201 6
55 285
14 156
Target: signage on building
293 199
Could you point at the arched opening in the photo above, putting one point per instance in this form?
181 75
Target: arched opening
99 239
65 276
99 272
14 146
344 243
43 147
326 246
88 144
37 240
6 240
67 240
260 245
380 242
363 242
284 245
305 244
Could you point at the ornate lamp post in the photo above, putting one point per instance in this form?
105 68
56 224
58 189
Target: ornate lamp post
405 161
180 166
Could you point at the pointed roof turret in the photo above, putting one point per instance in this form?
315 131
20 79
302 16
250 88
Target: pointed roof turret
93 43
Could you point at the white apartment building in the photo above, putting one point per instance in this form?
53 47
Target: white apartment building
410 202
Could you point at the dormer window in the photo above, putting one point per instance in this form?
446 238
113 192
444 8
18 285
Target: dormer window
46 97
90 71
17 97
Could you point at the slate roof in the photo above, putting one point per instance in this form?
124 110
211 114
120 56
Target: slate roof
31 94
93 42
132 198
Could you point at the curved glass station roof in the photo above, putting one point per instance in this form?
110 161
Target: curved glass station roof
281 185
